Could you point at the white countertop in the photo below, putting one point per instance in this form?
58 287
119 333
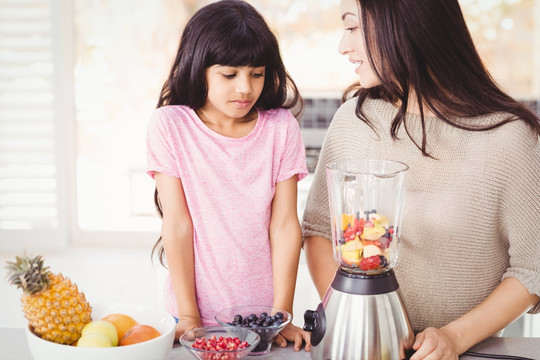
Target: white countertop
13 346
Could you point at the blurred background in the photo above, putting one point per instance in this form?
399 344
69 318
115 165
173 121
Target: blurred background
80 78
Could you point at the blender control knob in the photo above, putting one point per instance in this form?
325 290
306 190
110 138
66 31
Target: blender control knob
310 320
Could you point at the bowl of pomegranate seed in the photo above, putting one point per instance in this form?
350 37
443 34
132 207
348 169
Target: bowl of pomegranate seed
266 321
220 342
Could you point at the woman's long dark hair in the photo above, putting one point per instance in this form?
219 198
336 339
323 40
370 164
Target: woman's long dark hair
232 33
424 46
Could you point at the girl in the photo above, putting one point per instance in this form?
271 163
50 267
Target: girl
226 156
468 259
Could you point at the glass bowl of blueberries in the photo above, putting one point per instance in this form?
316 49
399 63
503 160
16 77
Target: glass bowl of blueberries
266 321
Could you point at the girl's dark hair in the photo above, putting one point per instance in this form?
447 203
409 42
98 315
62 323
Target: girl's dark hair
232 33
424 46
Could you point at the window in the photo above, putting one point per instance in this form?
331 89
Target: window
121 61
32 135
506 34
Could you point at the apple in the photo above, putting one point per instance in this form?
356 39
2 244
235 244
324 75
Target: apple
371 250
94 340
373 233
355 244
101 327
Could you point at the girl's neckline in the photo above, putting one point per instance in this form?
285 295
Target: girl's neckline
213 133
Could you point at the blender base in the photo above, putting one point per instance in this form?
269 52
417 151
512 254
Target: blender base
360 317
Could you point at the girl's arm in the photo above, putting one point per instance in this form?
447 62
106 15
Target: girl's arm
506 303
286 242
320 261
177 237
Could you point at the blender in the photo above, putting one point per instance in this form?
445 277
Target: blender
362 315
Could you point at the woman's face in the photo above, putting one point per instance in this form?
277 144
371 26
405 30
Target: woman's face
352 43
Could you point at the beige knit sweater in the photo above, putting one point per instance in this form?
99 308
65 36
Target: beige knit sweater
472 214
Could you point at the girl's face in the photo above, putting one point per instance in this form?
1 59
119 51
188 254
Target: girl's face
352 43
232 91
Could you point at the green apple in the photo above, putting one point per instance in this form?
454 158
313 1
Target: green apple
94 340
101 327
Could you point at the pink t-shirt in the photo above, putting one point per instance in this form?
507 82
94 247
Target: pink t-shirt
229 184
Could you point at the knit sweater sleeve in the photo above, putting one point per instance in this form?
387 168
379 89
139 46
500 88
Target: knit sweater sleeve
316 220
521 208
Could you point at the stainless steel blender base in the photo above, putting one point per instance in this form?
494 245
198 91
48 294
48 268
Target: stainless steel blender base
362 327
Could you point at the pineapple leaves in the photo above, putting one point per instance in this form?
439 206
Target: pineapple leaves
28 274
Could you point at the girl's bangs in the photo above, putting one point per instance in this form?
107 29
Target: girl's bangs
244 51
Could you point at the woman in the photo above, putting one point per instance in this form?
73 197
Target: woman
470 239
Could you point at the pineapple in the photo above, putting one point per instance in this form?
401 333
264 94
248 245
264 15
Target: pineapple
53 305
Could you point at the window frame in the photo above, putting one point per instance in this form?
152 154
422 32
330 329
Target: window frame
62 60
67 233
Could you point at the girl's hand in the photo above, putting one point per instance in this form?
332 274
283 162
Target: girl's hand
434 344
185 324
293 334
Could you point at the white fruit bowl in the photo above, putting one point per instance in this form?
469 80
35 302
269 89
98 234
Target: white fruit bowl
155 349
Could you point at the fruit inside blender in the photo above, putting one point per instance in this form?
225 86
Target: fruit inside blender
365 245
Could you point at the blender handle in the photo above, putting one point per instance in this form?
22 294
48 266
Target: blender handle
315 322
310 320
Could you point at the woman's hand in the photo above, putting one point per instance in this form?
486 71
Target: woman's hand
293 334
506 303
185 324
434 344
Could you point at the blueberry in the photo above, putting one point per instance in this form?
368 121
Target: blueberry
263 315
384 261
252 317
237 318
279 315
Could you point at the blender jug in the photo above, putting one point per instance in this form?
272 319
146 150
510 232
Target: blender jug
366 204
362 315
